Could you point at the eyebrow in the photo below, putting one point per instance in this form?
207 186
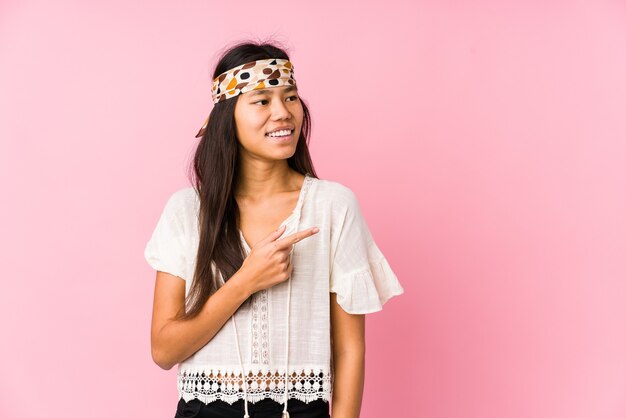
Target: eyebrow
266 91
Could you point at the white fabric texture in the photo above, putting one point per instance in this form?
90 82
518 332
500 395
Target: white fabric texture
341 258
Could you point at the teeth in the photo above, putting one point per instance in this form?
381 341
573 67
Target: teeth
283 132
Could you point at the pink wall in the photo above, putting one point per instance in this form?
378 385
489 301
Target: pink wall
490 142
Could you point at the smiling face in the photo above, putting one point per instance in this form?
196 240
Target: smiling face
259 112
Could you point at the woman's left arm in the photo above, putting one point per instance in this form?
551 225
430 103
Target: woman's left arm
348 345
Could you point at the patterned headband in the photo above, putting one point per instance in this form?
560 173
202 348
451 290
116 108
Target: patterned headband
260 74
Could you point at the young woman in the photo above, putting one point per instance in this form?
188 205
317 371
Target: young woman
264 270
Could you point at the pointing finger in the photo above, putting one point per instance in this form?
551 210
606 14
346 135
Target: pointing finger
275 234
289 240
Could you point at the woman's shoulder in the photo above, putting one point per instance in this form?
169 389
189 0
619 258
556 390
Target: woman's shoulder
185 194
336 192
183 201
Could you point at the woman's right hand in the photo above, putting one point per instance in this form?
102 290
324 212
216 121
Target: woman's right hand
268 262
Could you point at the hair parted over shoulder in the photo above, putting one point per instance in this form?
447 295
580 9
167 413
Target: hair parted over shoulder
214 174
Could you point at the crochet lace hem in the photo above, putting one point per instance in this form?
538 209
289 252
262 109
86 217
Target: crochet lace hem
255 397
305 385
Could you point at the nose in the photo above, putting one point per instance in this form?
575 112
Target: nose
280 110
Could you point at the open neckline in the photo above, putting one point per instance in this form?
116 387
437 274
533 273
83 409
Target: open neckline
294 212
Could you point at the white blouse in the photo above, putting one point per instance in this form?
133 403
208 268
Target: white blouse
287 326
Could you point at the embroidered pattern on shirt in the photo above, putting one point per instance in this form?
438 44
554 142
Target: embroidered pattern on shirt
208 385
260 328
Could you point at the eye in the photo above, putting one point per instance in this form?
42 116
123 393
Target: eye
290 97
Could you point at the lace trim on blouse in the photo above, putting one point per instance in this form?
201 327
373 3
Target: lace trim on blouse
260 328
304 384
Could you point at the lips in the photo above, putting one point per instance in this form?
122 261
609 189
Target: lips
280 136
282 128
280 139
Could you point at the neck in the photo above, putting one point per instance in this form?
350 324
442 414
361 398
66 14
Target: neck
262 183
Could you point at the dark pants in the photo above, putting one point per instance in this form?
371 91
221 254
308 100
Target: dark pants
266 408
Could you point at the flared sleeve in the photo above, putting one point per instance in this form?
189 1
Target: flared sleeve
360 274
165 250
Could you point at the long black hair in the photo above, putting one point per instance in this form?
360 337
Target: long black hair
215 172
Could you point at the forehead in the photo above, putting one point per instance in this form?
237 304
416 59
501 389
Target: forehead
271 90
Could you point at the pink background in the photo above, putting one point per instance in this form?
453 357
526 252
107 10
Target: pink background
485 141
